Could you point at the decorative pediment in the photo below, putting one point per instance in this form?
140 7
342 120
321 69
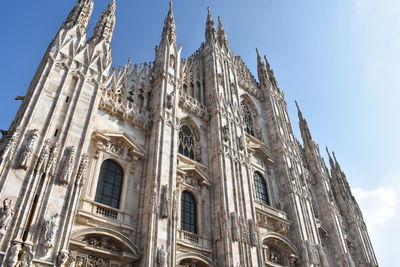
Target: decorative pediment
119 144
190 168
258 150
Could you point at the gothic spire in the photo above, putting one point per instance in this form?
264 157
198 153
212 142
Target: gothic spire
305 131
223 38
105 27
211 33
169 30
80 15
331 162
261 70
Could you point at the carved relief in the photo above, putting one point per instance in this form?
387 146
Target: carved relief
164 205
6 215
274 255
235 227
51 230
67 165
103 242
95 261
27 152
62 258
80 178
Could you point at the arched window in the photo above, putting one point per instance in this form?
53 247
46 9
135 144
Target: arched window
186 142
188 213
248 118
261 189
110 184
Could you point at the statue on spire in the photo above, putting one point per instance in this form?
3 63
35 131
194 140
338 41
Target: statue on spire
211 33
169 30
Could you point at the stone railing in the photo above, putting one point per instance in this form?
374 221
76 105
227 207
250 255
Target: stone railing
272 219
193 106
120 106
93 209
194 240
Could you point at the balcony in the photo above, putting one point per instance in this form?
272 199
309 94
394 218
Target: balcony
194 241
272 219
91 212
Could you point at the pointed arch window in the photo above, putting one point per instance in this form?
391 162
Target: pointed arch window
248 118
186 142
261 189
188 213
110 184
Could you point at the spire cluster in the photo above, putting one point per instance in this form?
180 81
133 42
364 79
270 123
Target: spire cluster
80 15
169 30
105 27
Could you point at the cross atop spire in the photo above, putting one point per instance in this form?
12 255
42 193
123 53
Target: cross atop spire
105 27
169 30
211 33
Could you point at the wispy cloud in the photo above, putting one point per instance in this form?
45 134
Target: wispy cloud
378 206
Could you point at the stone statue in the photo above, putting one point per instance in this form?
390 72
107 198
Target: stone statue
27 153
241 142
79 262
67 166
26 256
9 149
80 179
225 132
253 233
53 158
161 257
51 229
62 258
164 205
171 100
235 227
6 216
44 156
13 255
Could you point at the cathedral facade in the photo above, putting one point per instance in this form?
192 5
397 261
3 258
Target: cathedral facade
175 162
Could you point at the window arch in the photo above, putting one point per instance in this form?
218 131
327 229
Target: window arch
186 142
248 118
261 189
188 213
110 183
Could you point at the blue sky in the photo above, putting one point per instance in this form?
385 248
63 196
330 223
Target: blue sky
339 59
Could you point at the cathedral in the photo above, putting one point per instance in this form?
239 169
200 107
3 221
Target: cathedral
175 162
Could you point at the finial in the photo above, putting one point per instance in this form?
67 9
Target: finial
209 10
258 54
297 105
219 20
170 4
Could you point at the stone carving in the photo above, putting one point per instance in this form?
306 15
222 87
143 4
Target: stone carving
161 257
171 100
253 233
225 133
80 178
198 152
241 142
27 153
94 261
68 165
26 256
53 158
235 227
274 255
44 157
62 258
13 255
103 242
164 205
6 215
51 230
193 106
72 259
79 262
9 149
